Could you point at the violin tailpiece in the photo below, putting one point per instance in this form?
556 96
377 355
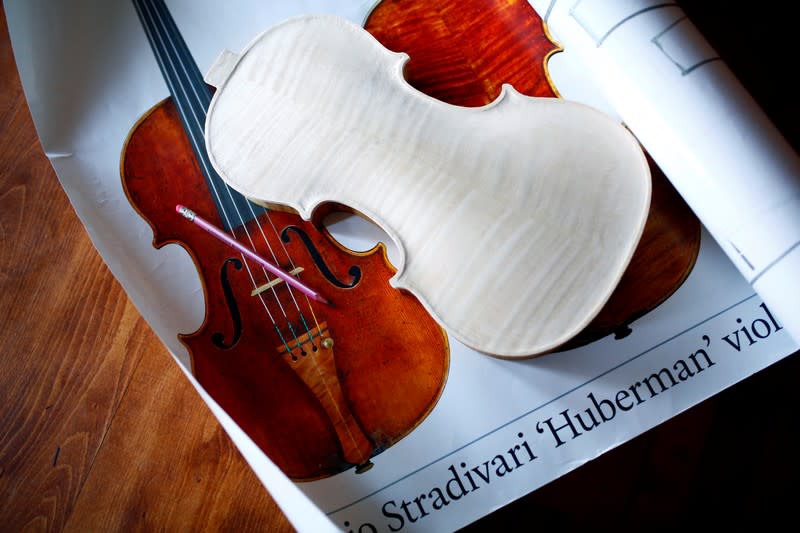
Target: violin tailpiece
312 359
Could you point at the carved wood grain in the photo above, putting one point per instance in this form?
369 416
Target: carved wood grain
461 53
515 221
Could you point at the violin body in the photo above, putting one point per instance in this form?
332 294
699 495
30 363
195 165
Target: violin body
320 389
515 220
385 370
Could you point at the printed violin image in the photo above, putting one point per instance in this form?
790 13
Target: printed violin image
462 52
322 389
319 388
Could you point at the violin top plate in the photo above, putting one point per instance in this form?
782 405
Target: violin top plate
515 221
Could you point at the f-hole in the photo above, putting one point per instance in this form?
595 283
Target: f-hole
354 270
219 338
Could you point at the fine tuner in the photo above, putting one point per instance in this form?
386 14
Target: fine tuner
514 221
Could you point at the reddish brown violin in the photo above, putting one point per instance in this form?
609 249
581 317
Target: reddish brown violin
462 52
319 388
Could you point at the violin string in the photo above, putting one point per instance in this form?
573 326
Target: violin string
180 103
167 24
203 106
292 264
204 103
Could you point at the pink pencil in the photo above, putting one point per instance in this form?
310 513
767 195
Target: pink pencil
227 239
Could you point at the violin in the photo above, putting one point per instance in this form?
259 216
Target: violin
456 59
515 221
320 389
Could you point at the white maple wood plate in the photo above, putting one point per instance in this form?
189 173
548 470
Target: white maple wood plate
515 221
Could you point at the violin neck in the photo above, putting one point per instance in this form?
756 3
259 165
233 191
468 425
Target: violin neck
192 97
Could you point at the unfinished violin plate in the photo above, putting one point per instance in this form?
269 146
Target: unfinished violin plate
515 221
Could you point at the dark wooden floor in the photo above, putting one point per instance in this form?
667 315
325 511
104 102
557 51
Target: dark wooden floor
99 430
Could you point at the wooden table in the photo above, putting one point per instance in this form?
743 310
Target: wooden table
99 430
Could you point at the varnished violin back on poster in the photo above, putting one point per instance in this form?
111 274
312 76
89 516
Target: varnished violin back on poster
320 389
515 220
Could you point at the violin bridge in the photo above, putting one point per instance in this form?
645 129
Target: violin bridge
274 282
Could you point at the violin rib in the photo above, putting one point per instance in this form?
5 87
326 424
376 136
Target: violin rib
515 220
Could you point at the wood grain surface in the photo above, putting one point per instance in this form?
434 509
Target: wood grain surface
99 430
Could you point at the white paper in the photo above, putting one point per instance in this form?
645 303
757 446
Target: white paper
89 75
701 126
